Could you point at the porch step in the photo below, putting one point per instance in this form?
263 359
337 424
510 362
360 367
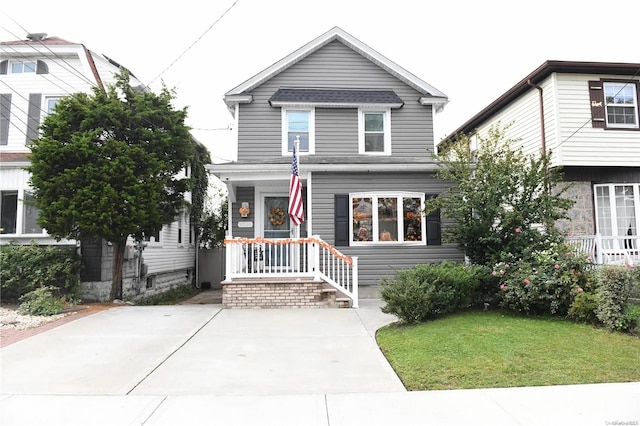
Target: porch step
281 293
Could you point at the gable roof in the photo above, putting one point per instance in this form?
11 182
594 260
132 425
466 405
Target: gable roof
537 76
431 95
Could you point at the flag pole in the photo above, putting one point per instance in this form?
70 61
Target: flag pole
296 232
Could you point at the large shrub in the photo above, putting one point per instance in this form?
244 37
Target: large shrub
26 268
615 284
425 291
544 281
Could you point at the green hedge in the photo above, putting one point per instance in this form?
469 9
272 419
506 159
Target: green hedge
26 268
429 290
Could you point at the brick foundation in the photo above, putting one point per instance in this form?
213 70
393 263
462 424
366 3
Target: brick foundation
271 294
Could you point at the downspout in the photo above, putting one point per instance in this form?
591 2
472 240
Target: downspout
543 140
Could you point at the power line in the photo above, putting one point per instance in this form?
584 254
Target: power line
194 43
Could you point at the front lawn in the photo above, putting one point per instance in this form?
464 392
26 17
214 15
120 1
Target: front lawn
491 349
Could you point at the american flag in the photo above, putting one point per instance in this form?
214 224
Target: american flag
295 191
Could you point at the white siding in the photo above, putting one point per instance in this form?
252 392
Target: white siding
583 145
523 115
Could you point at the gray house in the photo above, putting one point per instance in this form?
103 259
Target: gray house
365 131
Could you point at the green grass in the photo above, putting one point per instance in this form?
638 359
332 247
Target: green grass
489 349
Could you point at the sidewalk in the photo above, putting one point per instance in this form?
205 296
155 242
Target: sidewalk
199 364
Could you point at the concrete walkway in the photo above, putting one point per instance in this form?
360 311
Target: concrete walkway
199 364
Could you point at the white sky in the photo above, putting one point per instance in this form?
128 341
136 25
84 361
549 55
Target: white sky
473 51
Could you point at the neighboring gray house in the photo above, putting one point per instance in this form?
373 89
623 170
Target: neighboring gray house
35 73
588 115
365 127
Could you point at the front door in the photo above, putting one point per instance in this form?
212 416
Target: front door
276 219
277 225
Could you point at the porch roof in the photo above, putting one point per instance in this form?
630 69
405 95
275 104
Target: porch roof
336 97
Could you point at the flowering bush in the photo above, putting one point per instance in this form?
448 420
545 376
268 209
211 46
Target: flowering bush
543 281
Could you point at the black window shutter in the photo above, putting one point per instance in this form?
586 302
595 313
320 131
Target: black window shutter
5 117
341 217
596 97
434 228
33 122
42 68
3 66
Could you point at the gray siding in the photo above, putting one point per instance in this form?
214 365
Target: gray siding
334 66
376 262
244 194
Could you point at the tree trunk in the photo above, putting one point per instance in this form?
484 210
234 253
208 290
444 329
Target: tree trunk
117 264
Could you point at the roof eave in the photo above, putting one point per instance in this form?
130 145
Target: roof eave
337 33
539 74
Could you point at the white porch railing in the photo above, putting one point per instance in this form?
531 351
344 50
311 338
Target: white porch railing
292 257
608 250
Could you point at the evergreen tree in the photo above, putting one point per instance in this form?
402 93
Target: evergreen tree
107 165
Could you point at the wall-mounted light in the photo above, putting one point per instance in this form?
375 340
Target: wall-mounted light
244 210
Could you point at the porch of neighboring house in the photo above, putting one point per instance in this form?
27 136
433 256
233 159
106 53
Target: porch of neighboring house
288 273
608 250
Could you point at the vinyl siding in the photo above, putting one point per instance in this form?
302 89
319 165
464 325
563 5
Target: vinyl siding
523 116
583 145
169 255
376 261
334 66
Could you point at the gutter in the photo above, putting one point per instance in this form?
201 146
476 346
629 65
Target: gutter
543 140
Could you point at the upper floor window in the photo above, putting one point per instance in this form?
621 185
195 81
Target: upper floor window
614 104
50 103
22 67
387 218
298 123
374 132
621 104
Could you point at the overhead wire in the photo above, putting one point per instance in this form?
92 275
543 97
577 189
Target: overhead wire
75 71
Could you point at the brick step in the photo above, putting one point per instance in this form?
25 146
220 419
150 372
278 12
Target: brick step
281 293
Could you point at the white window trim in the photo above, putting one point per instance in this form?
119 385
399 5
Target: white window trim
45 103
612 205
10 66
285 129
387 129
374 218
20 210
635 106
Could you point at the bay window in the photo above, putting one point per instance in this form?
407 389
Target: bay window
387 218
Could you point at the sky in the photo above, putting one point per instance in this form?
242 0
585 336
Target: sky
472 51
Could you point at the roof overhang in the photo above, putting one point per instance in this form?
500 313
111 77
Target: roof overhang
536 77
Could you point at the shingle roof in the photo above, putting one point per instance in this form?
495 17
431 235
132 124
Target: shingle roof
46 41
335 96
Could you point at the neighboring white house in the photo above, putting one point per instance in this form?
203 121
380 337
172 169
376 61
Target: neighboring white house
34 74
587 115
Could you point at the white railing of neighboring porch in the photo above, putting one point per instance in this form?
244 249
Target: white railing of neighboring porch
604 250
292 257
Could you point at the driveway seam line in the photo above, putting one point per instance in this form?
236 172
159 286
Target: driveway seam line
173 352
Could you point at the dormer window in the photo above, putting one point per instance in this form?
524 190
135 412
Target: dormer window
23 67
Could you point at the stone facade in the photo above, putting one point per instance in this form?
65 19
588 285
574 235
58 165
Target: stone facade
581 216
